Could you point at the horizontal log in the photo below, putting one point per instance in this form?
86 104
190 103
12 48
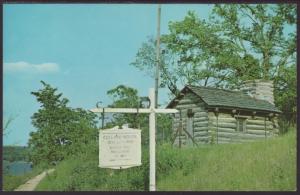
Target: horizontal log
220 115
226 134
201 124
200 134
258 127
223 120
224 125
200 129
195 119
202 138
185 106
200 114
256 132
223 139
229 130
200 119
258 122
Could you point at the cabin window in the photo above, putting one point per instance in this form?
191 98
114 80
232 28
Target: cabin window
241 124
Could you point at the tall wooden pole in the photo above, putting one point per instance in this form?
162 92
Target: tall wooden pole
152 122
157 55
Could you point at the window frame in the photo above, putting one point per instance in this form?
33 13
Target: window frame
244 122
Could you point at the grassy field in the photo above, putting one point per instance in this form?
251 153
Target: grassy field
265 165
261 166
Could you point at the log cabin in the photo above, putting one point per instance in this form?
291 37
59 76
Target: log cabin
215 116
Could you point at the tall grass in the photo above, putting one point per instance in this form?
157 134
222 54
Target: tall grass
268 165
265 165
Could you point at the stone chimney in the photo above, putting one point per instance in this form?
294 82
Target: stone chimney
259 89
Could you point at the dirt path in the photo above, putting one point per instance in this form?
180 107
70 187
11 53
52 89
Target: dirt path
31 184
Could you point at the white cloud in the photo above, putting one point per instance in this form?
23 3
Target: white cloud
31 68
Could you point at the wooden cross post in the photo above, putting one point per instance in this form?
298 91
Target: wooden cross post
151 111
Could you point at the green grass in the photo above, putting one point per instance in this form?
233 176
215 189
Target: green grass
11 182
264 165
260 166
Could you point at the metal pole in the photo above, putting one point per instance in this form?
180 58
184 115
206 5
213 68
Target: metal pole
152 140
157 55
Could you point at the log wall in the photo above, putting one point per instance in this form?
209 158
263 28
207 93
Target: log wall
200 119
206 129
225 131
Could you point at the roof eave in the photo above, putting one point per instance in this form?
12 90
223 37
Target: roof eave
246 109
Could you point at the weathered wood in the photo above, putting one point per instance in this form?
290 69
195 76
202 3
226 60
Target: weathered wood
201 124
223 120
226 134
200 119
256 132
185 106
200 114
224 125
258 122
221 115
229 130
200 133
202 138
258 127
224 139
200 129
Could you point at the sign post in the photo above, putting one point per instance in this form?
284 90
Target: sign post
152 123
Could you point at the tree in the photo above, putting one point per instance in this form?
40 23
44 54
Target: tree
286 94
259 31
239 42
60 130
127 97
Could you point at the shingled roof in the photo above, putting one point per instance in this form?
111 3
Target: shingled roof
215 97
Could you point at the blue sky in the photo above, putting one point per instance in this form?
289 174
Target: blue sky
83 50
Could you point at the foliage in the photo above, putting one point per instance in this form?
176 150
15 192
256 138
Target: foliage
61 130
127 97
239 42
286 94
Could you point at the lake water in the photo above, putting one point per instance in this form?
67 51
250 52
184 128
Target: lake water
18 167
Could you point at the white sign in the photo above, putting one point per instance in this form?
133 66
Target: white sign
119 148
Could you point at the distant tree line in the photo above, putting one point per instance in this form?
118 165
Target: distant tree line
15 153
